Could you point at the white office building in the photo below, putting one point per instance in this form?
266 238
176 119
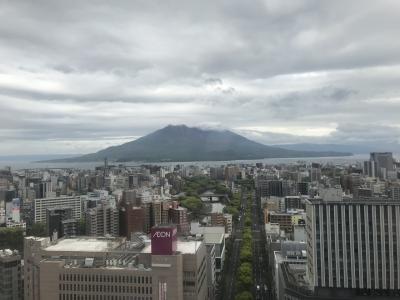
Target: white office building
40 206
354 244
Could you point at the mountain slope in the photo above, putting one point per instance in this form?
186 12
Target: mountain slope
361 148
182 143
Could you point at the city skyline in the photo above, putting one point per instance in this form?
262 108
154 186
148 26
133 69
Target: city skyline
78 77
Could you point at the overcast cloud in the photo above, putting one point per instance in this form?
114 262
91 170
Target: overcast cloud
78 76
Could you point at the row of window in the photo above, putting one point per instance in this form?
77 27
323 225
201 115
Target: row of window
106 278
106 288
101 297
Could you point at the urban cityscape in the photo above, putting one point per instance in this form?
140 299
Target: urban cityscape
199 150
237 231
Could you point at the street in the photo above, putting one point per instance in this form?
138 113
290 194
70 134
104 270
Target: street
232 267
260 290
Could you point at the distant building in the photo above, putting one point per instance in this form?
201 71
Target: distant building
315 172
286 220
217 173
221 219
179 217
133 220
40 206
60 220
302 188
379 165
102 220
293 202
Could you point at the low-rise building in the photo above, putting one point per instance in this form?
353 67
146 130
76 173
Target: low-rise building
111 268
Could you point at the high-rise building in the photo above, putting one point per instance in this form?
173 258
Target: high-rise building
353 246
10 275
60 220
40 206
132 197
381 164
160 212
102 220
179 217
302 188
315 172
133 220
109 268
217 173
293 202
395 193
43 189
275 188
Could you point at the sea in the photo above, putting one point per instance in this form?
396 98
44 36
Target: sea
337 160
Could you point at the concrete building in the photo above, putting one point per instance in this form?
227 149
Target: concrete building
217 219
214 236
353 246
292 253
60 220
299 233
10 275
132 221
272 232
109 268
315 172
40 206
179 217
381 163
293 202
286 220
221 219
302 188
160 210
102 220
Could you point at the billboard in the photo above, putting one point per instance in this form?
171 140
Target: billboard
163 240
15 209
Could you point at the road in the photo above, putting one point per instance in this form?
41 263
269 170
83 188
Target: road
260 290
234 260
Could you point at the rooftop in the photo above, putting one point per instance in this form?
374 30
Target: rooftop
84 244
8 252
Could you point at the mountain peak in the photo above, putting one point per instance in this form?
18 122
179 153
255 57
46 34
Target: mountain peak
183 143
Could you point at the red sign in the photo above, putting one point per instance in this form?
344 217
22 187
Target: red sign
163 240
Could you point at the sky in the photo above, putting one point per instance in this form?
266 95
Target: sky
79 76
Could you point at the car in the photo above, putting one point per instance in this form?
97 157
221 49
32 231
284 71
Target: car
258 287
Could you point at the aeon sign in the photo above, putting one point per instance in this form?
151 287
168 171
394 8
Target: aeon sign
162 234
163 240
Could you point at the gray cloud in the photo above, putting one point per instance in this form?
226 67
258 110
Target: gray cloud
77 72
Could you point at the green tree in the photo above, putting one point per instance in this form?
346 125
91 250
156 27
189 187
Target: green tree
37 229
192 203
248 221
232 210
12 238
245 276
246 295
246 254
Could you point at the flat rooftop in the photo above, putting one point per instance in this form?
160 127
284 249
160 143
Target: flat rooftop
84 244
